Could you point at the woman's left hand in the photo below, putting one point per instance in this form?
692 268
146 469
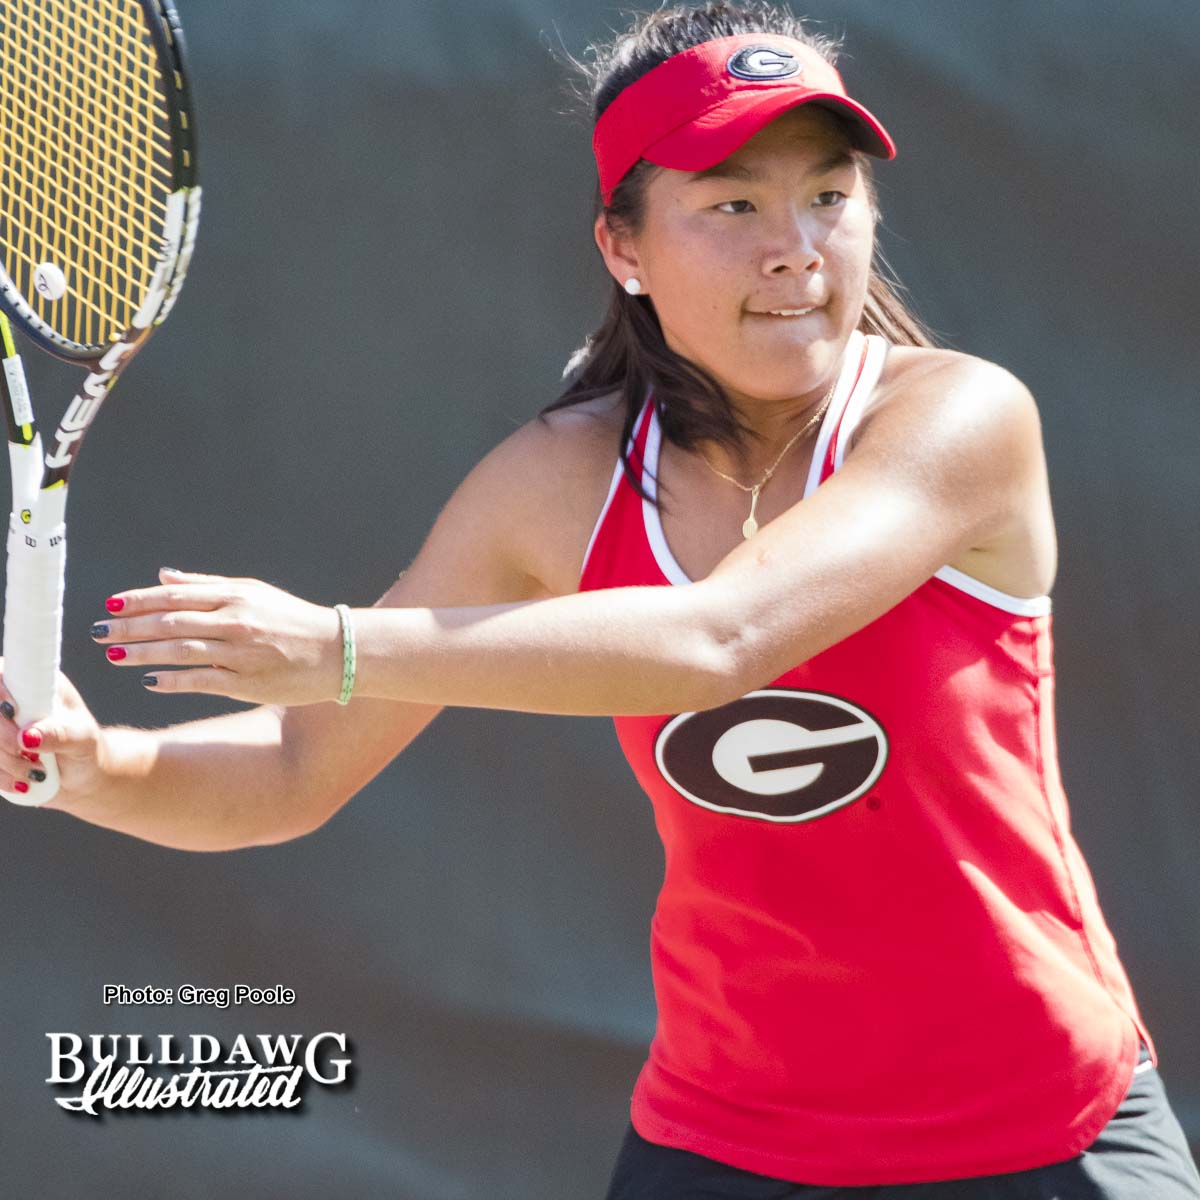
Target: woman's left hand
240 638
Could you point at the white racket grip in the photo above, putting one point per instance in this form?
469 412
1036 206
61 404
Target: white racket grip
33 609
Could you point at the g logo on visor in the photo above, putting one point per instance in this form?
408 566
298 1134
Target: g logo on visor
763 62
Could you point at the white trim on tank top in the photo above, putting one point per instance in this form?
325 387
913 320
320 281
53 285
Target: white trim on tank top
854 406
851 359
618 471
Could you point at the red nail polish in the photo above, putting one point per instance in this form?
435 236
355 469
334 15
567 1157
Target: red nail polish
114 604
21 786
115 653
31 738
31 755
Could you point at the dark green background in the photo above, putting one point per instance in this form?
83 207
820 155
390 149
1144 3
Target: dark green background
394 264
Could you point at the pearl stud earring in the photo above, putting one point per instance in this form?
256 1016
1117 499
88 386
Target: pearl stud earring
633 286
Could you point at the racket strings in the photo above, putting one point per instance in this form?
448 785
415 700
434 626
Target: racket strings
85 159
118 251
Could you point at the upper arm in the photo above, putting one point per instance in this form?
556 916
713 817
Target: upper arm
477 552
942 468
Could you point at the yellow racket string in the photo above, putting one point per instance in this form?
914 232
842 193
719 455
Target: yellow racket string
85 159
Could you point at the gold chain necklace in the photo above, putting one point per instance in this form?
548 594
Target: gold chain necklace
750 525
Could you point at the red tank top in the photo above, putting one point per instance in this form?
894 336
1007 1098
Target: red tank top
878 955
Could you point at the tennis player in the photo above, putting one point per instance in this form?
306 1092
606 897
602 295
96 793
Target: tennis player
804 555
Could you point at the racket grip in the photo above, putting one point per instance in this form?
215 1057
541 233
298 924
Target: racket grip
33 609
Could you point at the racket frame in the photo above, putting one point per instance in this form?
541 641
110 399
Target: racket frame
37 522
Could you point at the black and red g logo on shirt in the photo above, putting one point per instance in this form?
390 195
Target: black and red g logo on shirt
774 755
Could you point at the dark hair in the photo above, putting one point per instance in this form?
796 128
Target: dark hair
628 351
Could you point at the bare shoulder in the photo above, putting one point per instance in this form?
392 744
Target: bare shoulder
910 370
928 398
563 462
983 422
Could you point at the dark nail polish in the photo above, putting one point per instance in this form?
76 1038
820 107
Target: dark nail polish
37 775
149 681
115 653
7 709
98 630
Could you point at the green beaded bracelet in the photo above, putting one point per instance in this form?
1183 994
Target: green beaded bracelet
349 653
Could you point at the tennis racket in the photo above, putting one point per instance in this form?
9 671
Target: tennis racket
98 215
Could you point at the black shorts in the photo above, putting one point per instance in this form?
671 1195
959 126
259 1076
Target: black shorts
1141 1154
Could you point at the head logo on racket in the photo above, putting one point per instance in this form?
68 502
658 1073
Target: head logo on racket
49 281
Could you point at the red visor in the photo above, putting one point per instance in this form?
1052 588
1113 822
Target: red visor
698 107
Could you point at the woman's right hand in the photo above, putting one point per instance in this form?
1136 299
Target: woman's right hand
71 733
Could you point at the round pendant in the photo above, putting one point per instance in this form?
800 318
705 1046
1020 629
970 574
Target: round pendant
749 527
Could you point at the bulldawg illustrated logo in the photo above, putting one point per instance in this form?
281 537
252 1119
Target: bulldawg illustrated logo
121 1071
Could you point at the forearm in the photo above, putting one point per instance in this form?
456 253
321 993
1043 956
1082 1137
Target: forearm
215 784
622 651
